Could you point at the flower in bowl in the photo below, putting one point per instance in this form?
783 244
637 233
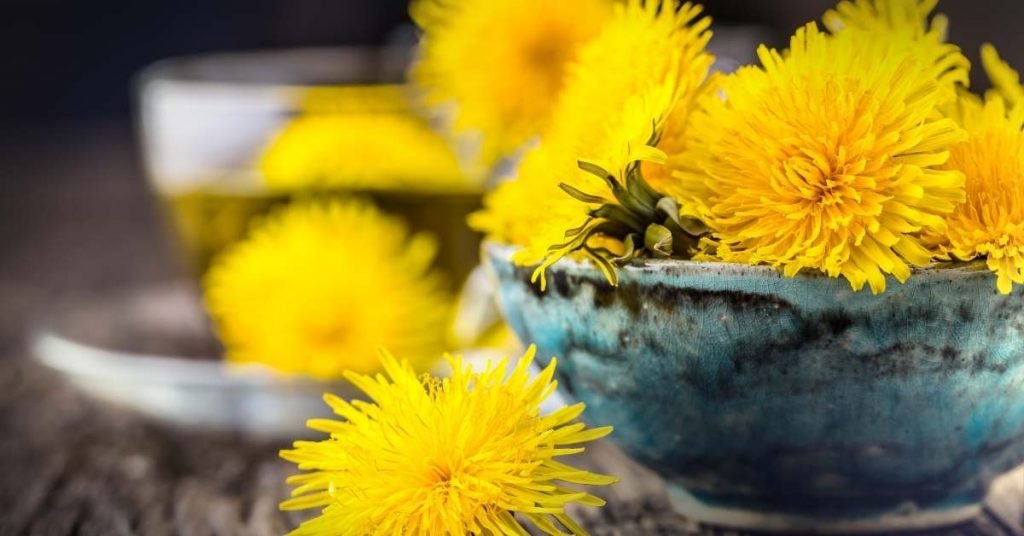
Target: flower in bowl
789 288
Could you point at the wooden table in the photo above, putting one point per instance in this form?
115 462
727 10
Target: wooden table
75 220
71 465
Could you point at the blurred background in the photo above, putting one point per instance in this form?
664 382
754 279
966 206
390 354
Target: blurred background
75 213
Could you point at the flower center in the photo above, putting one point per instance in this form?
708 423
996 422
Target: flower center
334 333
547 57
819 182
440 474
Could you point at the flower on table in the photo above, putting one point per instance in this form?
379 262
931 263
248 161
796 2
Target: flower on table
459 455
318 285
499 64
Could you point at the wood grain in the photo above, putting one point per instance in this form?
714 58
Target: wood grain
72 466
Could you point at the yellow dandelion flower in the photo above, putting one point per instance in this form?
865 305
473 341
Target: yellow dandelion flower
500 62
1005 80
632 86
361 150
904 26
459 455
990 224
654 50
901 17
618 215
317 286
830 157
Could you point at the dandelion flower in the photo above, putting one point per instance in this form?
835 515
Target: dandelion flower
653 48
907 17
317 286
501 63
990 224
361 150
460 455
626 218
830 157
632 87
903 26
1005 80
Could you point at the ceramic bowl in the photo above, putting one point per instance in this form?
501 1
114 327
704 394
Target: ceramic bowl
790 403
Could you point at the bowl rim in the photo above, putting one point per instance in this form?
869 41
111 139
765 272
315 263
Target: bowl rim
500 250
362 67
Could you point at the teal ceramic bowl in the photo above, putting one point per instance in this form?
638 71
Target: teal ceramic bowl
790 403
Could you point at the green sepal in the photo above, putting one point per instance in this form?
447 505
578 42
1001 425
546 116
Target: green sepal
580 195
646 222
669 208
629 250
619 214
658 240
603 264
693 225
638 187
602 174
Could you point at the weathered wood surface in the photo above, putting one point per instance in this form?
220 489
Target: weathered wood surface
70 465
76 219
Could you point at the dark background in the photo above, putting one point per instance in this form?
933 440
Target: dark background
69 60
75 214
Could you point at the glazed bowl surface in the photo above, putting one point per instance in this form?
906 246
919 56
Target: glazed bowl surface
764 399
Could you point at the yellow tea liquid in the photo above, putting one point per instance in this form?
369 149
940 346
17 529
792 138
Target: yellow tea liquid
207 222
